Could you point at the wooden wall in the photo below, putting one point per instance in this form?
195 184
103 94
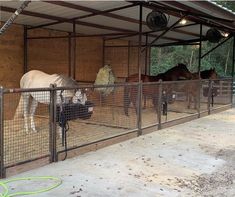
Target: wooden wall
51 56
124 60
48 55
117 57
89 58
11 56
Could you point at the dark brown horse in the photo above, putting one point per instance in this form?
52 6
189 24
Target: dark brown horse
193 87
130 92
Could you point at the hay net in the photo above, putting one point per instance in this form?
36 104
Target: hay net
105 76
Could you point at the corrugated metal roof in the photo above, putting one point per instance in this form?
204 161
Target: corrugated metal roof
39 13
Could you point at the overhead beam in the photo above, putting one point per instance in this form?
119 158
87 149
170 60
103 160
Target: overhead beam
105 13
56 18
87 15
45 16
178 13
95 11
167 30
216 20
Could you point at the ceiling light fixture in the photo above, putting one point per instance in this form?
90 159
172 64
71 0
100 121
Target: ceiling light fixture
183 21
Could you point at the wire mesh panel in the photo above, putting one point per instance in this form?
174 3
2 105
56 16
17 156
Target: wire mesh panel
101 116
222 93
175 99
150 102
26 127
205 95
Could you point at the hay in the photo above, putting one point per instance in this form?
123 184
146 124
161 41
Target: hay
105 76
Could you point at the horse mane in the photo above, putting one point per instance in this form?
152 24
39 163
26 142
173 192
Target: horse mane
66 81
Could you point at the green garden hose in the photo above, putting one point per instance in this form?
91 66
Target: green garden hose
5 193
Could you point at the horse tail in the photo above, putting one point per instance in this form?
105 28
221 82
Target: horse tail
19 109
126 99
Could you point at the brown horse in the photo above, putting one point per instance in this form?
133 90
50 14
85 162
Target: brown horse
130 92
193 87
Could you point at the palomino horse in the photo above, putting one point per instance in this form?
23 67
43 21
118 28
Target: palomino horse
38 79
130 93
193 87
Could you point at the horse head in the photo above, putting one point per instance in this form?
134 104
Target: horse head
213 74
80 96
209 74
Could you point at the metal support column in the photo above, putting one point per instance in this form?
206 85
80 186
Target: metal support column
2 168
74 51
25 49
146 65
146 55
209 96
70 56
199 74
52 116
233 60
128 61
103 59
159 105
139 111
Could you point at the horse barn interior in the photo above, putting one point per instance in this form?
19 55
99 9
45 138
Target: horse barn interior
76 39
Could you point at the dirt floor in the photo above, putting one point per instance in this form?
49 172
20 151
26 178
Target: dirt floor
105 122
192 159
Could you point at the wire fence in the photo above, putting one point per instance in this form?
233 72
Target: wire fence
41 123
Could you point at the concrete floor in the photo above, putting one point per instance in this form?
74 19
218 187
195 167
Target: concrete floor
192 159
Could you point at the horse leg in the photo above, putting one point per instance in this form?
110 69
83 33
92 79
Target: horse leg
195 101
155 102
34 105
59 129
188 97
25 97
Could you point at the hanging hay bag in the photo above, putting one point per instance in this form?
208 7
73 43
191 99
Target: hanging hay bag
105 76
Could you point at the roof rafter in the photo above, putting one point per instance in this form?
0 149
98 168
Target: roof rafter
107 13
50 17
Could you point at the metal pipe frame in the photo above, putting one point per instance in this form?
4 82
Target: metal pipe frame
25 49
103 52
194 17
199 74
128 60
146 54
139 108
218 45
52 133
159 106
78 36
93 13
74 52
167 30
2 166
233 60
69 54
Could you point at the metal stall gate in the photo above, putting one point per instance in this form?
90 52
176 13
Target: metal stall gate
100 121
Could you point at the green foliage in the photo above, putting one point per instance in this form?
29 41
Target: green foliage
165 58
228 4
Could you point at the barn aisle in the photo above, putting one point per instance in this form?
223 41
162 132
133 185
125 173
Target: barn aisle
192 159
